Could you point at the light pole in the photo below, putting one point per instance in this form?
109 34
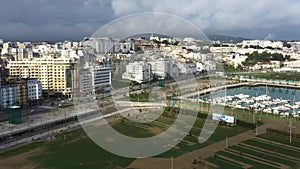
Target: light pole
226 141
172 162
256 131
65 125
290 131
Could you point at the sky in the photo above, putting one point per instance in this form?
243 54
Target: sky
58 20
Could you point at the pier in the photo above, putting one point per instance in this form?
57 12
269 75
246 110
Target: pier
245 83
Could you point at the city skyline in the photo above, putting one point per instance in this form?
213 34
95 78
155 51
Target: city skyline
43 20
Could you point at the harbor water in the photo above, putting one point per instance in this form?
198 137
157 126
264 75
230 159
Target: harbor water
273 100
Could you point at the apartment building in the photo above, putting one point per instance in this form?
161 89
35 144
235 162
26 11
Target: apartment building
9 95
55 74
20 92
160 67
34 90
138 71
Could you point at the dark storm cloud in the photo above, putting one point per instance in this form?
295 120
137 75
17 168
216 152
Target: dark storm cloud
52 19
73 19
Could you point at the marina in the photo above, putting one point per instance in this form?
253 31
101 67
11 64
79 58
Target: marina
259 99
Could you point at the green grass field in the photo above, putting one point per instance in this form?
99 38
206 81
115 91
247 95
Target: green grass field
120 83
79 152
223 163
290 76
260 153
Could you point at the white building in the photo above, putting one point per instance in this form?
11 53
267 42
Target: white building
210 65
287 69
262 43
200 67
186 68
9 95
94 79
138 71
20 92
161 67
126 47
34 89
267 65
103 45
292 64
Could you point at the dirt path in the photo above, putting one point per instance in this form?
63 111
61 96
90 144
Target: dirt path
185 161
20 161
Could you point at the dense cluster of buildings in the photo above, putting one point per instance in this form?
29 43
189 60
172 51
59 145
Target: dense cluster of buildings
32 71
53 73
169 58
21 92
236 54
29 72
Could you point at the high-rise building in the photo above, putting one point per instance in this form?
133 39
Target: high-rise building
103 45
54 74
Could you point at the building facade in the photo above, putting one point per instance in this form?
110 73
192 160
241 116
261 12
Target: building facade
138 71
20 92
95 79
9 95
55 74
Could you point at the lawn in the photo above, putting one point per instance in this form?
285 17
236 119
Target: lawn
78 151
273 147
139 97
290 76
223 164
117 84
280 139
263 155
255 164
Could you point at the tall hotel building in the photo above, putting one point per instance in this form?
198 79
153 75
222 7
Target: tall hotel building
55 74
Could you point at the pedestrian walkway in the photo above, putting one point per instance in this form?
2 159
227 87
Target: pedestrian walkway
185 161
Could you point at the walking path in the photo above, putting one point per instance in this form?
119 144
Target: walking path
185 161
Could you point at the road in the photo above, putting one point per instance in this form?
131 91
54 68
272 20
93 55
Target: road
84 117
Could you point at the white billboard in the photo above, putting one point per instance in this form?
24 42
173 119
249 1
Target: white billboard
223 117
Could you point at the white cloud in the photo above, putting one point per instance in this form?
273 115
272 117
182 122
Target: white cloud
157 22
221 14
253 19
